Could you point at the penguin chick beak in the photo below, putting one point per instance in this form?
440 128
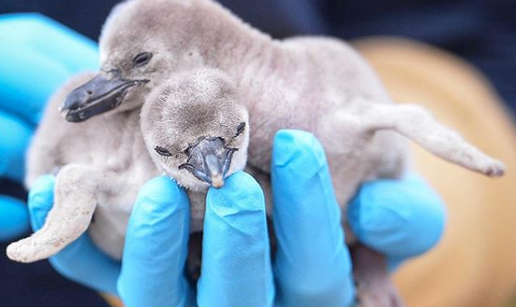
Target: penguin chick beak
99 95
209 161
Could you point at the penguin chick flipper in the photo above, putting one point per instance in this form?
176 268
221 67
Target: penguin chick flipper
74 204
416 123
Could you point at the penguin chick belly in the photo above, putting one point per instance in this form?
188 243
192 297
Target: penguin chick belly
108 227
114 207
197 210
109 224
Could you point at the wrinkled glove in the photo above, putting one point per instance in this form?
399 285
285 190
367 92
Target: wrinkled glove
37 55
312 266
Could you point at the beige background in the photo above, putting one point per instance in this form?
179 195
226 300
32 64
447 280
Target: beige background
475 264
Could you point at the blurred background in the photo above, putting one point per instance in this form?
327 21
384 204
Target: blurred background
455 57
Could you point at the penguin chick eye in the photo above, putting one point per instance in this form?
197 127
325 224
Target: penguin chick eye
142 59
240 129
162 151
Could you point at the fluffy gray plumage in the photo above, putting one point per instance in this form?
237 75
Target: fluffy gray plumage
206 58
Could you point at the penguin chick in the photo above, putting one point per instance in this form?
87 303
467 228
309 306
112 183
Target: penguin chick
196 128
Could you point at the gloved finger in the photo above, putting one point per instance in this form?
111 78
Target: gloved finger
313 265
153 266
80 261
236 268
15 136
38 55
14 218
399 218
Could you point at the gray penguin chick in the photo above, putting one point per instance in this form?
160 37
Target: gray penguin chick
196 129
192 121
319 85
101 166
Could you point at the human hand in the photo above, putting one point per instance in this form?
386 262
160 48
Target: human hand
38 55
399 218
312 264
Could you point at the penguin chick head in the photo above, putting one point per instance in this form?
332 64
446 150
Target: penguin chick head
196 128
142 43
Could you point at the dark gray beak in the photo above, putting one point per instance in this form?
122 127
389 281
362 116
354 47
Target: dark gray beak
97 96
209 160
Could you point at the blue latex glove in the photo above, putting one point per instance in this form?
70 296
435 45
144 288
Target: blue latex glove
37 55
312 265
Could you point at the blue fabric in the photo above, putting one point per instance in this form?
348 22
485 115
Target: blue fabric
312 265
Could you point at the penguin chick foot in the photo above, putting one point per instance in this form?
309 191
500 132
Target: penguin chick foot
374 286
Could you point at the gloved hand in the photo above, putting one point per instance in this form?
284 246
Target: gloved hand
37 55
312 265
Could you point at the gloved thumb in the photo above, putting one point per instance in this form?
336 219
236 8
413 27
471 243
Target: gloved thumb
41 199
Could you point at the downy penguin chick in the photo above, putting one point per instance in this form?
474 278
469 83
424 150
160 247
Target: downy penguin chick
319 85
196 129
